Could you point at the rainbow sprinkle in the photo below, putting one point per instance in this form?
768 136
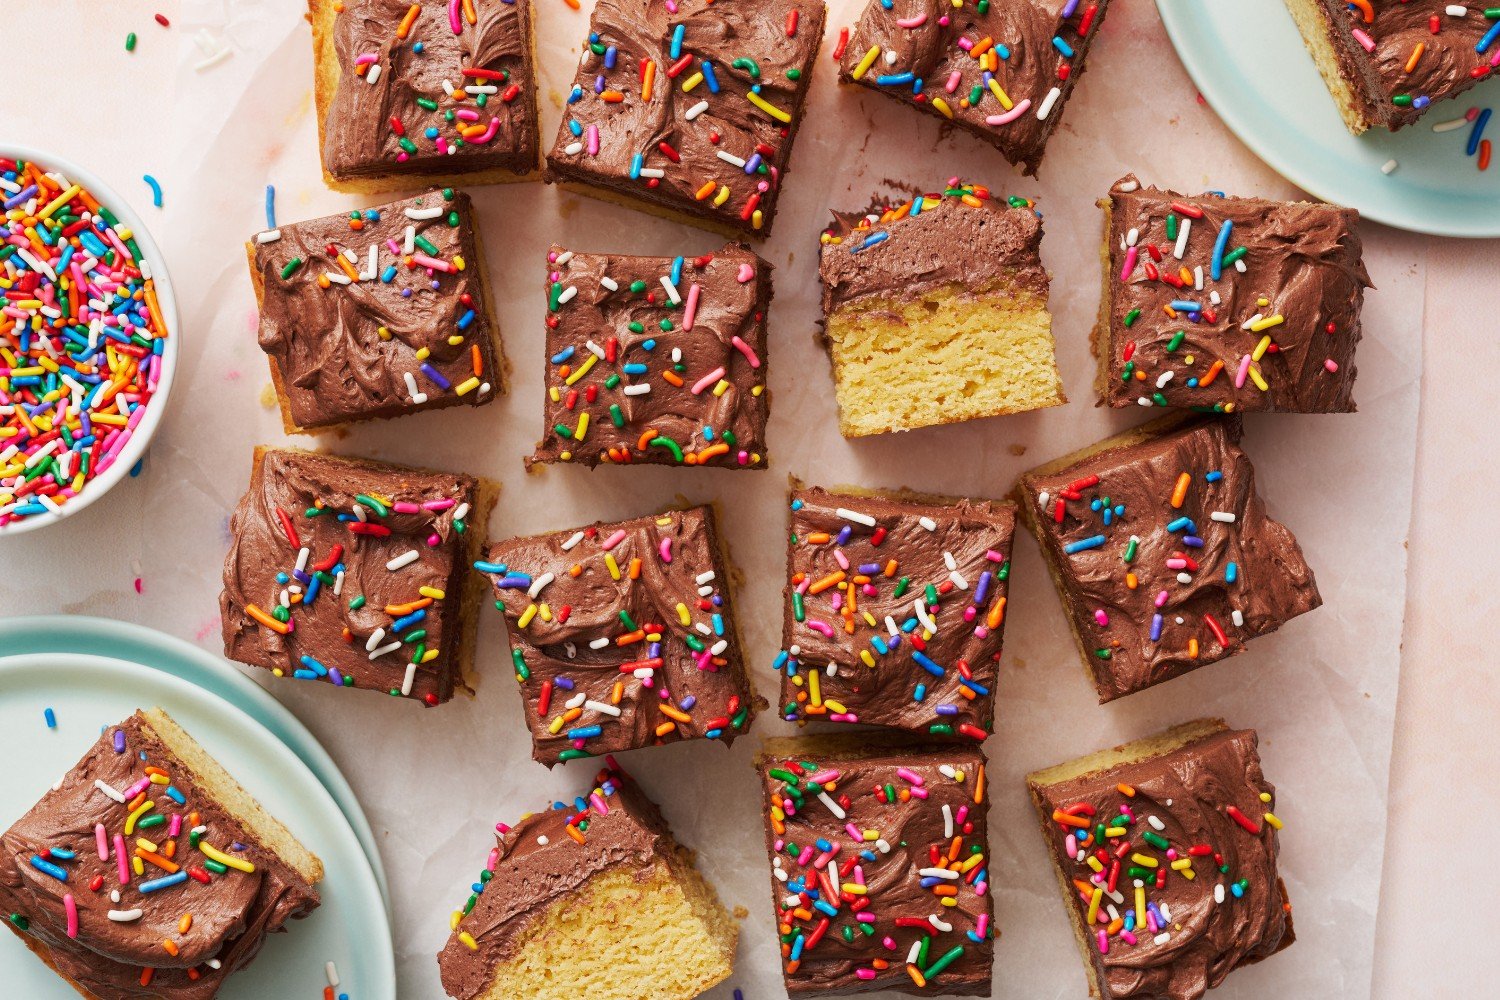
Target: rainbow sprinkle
81 340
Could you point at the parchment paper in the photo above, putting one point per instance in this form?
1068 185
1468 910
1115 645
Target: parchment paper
1321 692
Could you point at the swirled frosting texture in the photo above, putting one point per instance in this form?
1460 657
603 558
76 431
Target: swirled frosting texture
351 339
895 611
1001 71
1164 554
232 911
1275 330
622 635
925 806
1374 54
1197 930
371 584
543 860
708 129
477 84
891 251
666 355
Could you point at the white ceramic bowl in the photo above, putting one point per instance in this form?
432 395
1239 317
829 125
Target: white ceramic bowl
140 439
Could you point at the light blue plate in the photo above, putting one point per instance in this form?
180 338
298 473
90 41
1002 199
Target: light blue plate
1248 61
350 928
122 640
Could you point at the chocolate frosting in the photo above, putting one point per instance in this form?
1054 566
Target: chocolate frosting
345 350
538 863
599 595
1443 70
864 672
1187 793
1250 575
679 346
359 134
751 47
231 911
960 236
911 835
334 506
932 54
1301 262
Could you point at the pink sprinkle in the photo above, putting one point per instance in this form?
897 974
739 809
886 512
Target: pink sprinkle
405 507
422 260
454 21
665 550
746 273
1101 617
1019 109
1239 376
1161 599
489 133
102 841
615 539
912 22
821 627
593 140
1331 365
1363 39
121 860
864 973
742 347
909 775
953 81
72 909
744 458
708 380
690 311
982 925
1103 943
174 827
1127 936
1130 255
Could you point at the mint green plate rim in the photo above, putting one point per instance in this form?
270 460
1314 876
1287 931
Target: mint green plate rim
1248 61
119 640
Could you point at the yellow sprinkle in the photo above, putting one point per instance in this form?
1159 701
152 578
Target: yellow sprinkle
1000 95
424 353
1255 376
1094 905
149 845
469 384
1145 860
545 612
865 63
683 615
722 196
555 726
1182 863
583 426
431 655
228 860
1271 818
1267 323
614 567
140 811
942 107
458 262
582 369
854 889
1115 831
432 592
453 920
813 694
1265 796
59 201
1260 348
836 706
691 82
867 658
720 388
1096 864
526 616
137 866
468 940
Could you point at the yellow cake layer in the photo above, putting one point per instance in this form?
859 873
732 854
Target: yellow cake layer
626 935
941 356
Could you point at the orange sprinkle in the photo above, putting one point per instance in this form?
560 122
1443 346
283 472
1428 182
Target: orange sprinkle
1125 790
672 377
672 712
404 28
1179 492
398 610
1484 154
665 728
1211 374
478 360
1416 53
267 620
185 923
979 786
836 577
997 613
573 832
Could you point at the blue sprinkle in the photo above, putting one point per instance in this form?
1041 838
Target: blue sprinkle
48 868
1214 476
1232 572
1062 46
270 206
923 661
163 883
1097 541
489 567
51 718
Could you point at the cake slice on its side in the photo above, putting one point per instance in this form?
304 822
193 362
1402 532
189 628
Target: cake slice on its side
1165 850
1385 63
935 312
591 898
145 829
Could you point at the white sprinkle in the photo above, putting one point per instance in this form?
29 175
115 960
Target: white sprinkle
1184 578
542 840
539 583
417 396
1042 499
411 675
718 648
423 214
946 873
1450 125
1156 824
939 923
916 951
638 390
599 643
460 512
947 821
404 559
703 628
338 278
409 241
891 627
947 771
567 295
374 639
1237 617
1222 515
1219 893
1457 10
695 110
214 963
927 522
922 616
114 895
1183 230
1164 378
891 55
1239 266
1132 237
1162 938
389 647
126 916
269 236
958 580
1251 321
573 540
1389 167
666 282
729 157
883 846
782 876
1046 108
576 701
949 561
373 74
600 706
833 806
1129 186
610 283
112 792
333 974
1198 278
1213 297
571 649
302 555
707 576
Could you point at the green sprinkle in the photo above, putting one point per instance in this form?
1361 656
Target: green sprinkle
1004 573
799 609
553 296
628 621
372 503
1234 255
637 286
216 867
1158 399
129 47
427 246
21 922
291 268
1131 317
427 103
1402 100
150 821
523 672
616 415
1130 549
571 754
949 957
1171 225
901 586
612 381
1177 339
940 729
794 74
1156 840
1103 654
416 636
750 65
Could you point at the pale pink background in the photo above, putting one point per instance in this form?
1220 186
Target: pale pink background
123 115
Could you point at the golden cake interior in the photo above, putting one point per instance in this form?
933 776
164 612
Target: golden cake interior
1317 36
940 356
626 935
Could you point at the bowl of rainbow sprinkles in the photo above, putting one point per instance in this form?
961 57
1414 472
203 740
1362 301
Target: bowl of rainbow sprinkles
88 339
